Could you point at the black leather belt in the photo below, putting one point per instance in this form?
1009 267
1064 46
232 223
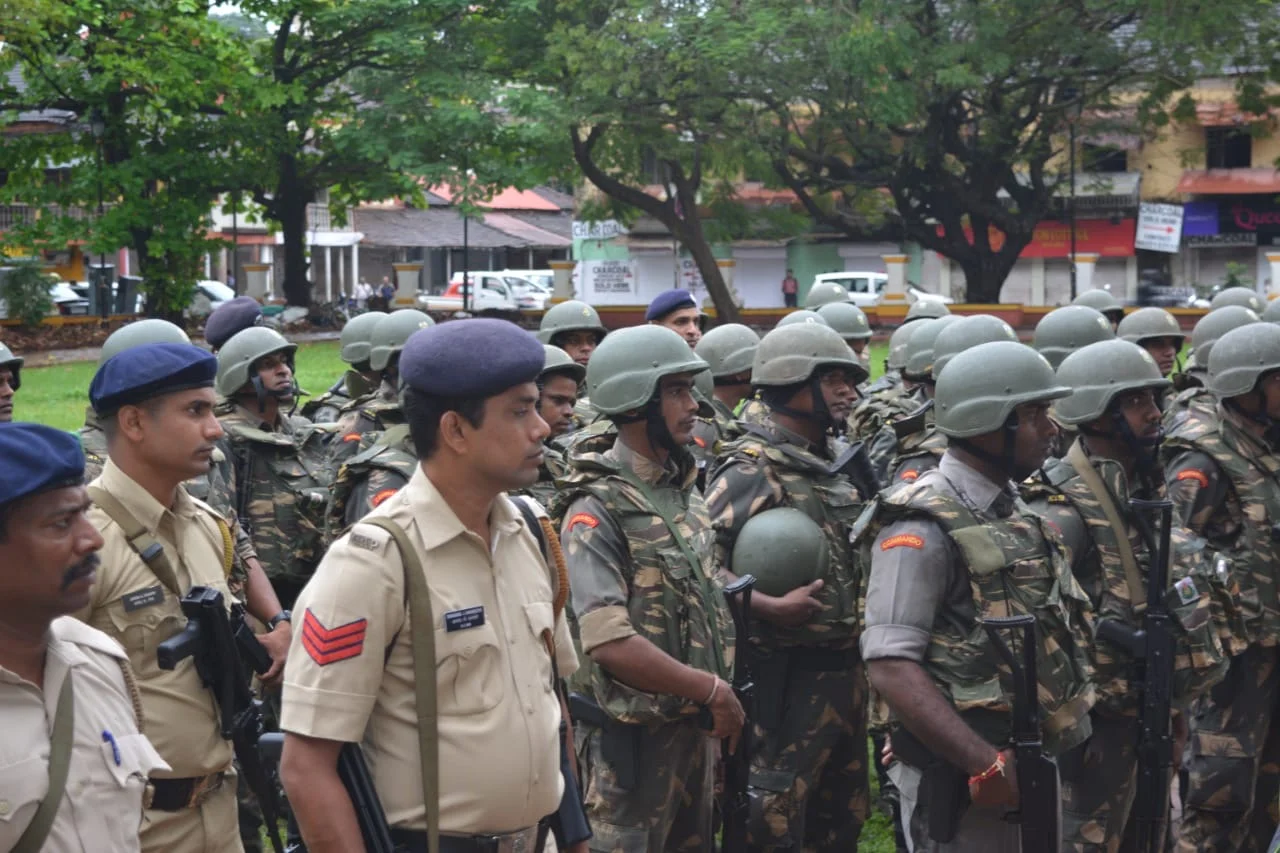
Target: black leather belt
174 795
415 841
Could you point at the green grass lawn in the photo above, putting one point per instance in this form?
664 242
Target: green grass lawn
58 395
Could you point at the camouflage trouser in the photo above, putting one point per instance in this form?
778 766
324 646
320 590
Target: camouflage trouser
1235 760
670 805
1098 779
809 781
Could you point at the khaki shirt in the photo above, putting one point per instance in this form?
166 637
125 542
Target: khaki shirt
102 805
498 715
130 604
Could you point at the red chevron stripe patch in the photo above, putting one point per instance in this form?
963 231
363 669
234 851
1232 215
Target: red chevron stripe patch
330 645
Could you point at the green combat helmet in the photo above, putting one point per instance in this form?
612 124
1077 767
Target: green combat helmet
1245 297
789 355
919 366
981 387
967 333
570 316
824 293
1271 313
1098 372
355 337
801 317
1065 330
628 365
237 357
14 364
847 319
1214 325
141 332
1103 302
729 349
782 548
897 357
1241 356
1148 323
926 309
558 361
391 332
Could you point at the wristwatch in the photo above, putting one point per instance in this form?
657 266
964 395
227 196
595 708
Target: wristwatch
282 616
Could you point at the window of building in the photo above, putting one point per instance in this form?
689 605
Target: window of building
1104 158
1227 148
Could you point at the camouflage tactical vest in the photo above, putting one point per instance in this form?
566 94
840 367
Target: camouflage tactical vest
1253 480
686 616
1199 659
920 445
1014 567
553 467
1192 403
328 406
281 484
390 453
834 505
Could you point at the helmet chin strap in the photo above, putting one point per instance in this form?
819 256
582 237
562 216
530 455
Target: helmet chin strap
655 425
291 394
821 413
1270 429
1006 460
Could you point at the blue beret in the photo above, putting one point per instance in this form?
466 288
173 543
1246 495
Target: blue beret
37 458
672 300
148 371
470 358
230 317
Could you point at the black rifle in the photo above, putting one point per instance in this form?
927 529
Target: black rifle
220 644
1038 786
855 463
735 806
1153 646
355 776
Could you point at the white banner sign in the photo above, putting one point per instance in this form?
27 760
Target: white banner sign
690 276
604 280
605 229
1159 227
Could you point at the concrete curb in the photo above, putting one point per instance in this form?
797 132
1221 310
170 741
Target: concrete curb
51 358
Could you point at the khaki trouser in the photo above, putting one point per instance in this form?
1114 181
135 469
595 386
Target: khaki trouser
213 827
981 831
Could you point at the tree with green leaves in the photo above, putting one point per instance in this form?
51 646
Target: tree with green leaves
134 86
647 96
961 111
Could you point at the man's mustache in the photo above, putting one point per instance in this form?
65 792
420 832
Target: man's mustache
80 570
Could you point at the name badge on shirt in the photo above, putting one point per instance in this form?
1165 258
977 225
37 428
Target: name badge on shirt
143 598
461 620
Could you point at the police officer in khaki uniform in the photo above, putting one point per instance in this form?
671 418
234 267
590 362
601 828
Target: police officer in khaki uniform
156 406
67 698
10 381
351 675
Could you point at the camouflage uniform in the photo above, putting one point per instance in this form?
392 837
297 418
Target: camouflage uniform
380 466
809 770
327 408
1224 485
630 576
709 434
554 466
907 447
977 551
1098 778
1194 402
281 499
374 412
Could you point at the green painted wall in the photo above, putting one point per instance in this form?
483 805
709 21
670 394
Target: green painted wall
809 259
600 250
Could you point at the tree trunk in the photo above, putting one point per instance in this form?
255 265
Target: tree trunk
290 203
696 243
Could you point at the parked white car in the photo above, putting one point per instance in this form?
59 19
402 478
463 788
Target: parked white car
523 294
866 288
546 279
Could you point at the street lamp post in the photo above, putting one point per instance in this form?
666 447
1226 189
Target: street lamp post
1071 206
98 127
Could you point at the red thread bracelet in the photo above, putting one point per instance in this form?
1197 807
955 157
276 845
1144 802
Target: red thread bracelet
996 768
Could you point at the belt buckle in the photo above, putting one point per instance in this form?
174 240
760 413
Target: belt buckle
522 841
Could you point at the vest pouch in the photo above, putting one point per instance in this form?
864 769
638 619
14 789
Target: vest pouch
677 574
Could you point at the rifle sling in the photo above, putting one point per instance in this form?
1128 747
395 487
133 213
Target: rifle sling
423 640
64 720
146 546
1132 574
